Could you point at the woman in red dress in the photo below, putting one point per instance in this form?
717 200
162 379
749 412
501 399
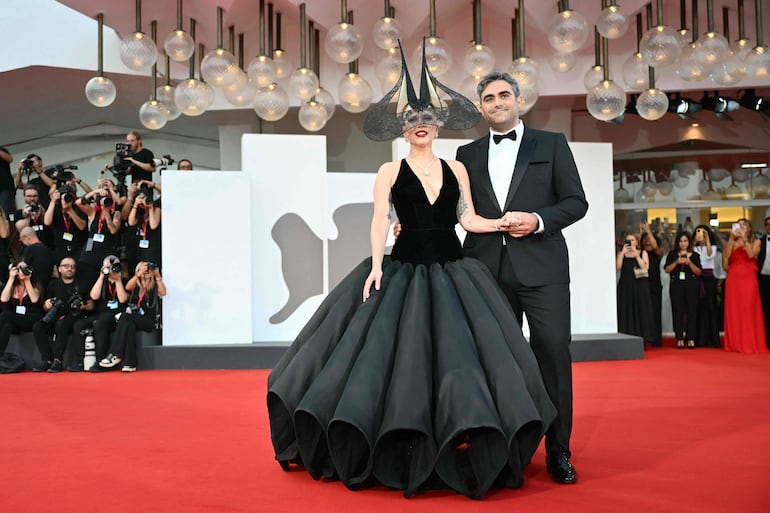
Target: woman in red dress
744 322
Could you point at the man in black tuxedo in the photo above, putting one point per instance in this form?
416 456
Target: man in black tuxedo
532 174
763 278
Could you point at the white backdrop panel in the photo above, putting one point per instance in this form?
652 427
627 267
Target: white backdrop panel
287 177
207 258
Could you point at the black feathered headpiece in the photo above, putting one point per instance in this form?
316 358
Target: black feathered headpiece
384 123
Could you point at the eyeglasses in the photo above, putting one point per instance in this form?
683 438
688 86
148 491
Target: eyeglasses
67 266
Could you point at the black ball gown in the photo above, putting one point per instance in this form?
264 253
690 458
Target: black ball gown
429 383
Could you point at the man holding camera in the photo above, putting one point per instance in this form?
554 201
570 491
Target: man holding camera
109 293
141 160
32 215
36 254
66 302
68 223
32 168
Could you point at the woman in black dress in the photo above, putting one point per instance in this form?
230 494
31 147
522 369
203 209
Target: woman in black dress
429 381
635 312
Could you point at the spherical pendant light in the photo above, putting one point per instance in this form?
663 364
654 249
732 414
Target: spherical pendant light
344 43
303 83
138 52
562 62
312 116
100 91
730 71
271 103
437 55
606 100
165 95
388 69
479 60
568 31
355 93
192 97
325 99
636 74
219 68
262 71
241 92
660 46
153 115
468 88
179 46
758 63
691 65
283 67
593 76
386 33
612 23
652 104
712 49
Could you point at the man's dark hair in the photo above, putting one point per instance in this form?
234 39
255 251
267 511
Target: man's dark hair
494 76
33 156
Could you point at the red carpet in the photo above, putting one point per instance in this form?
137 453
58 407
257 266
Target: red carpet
681 431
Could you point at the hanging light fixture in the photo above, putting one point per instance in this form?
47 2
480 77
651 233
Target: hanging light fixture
652 104
387 30
758 60
663 183
568 30
191 95
261 69
100 90
691 64
713 46
178 44
153 114
344 42
322 96
354 91
621 194
743 45
479 58
635 74
283 67
731 69
437 54
165 94
562 62
612 23
524 69
137 51
219 67
312 115
606 100
241 92
595 73
303 83
660 46
387 69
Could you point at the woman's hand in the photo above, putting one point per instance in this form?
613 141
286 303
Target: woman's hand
375 276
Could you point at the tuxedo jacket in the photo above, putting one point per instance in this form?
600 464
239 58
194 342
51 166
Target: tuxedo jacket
545 180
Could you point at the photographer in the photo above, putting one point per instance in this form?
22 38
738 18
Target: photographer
144 288
140 159
111 297
104 223
36 254
67 222
32 215
7 185
20 302
31 172
684 267
64 305
142 238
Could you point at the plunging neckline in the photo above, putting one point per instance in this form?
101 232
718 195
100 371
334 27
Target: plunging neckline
422 186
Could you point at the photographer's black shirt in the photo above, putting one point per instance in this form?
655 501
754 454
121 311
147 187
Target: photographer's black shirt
6 180
144 155
56 288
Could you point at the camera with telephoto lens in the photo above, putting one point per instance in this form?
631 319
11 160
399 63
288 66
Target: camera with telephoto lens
146 191
114 267
25 270
163 162
53 313
34 208
67 194
61 174
152 266
58 306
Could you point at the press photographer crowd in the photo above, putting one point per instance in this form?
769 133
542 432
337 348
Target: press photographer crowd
80 264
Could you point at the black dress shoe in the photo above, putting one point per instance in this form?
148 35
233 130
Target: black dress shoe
56 366
41 367
560 468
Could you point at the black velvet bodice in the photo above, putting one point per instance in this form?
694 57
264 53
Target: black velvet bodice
427 229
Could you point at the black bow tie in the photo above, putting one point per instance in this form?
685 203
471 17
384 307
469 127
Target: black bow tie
499 137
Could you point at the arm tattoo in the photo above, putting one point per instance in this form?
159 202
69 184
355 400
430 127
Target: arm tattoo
391 212
462 205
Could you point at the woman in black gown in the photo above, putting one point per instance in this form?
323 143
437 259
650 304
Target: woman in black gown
635 312
429 381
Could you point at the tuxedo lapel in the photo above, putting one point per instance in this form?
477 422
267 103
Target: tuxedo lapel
480 167
526 150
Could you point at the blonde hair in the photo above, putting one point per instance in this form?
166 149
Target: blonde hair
151 284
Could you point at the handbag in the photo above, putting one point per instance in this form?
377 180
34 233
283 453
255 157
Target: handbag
10 363
641 273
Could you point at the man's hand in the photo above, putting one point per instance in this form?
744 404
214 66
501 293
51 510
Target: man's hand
519 224
396 229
